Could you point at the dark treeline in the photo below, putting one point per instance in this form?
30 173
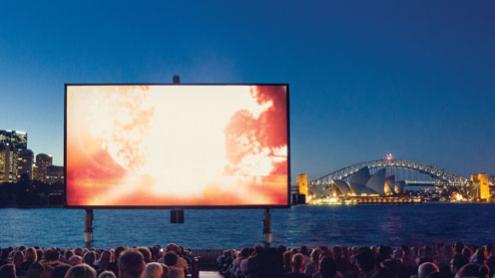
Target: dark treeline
27 193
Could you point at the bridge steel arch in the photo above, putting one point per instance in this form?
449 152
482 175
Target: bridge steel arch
427 169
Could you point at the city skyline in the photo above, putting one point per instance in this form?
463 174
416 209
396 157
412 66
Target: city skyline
413 79
19 163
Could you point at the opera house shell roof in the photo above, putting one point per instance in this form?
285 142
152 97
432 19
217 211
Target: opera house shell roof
362 182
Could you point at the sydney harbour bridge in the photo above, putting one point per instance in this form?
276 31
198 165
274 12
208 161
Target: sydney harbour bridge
409 172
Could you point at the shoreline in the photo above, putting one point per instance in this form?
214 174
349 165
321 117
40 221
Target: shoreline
240 208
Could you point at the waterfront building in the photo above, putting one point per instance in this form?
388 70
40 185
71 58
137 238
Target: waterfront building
358 183
399 187
388 188
25 159
362 183
377 181
302 184
43 161
54 174
13 139
481 186
8 165
15 158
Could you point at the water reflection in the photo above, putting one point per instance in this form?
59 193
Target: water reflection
356 225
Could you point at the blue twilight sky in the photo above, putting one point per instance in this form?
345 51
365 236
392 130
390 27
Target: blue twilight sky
415 78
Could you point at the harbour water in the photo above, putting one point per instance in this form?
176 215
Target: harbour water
217 229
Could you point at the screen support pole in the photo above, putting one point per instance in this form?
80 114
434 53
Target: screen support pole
176 215
88 228
267 228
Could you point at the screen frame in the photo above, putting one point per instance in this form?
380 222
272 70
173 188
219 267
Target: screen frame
286 205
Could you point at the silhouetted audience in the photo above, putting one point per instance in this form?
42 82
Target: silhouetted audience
81 271
107 274
60 270
75 260
30 258
298 264
428 261
131 264
121 262
37 270
7 271
153 270
327 269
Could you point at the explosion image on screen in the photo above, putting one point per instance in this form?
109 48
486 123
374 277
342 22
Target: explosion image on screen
176 145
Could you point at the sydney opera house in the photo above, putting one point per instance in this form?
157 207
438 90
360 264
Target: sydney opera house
363 183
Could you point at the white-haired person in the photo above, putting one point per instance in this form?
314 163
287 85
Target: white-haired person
155 270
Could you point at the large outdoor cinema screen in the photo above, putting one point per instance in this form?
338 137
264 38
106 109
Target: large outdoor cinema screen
176 145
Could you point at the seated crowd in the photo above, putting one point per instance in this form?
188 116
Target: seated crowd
143 262
440 260
431 261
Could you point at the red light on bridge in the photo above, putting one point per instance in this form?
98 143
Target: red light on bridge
389 157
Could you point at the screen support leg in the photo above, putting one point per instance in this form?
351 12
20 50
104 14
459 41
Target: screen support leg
267 228
177 216
88 228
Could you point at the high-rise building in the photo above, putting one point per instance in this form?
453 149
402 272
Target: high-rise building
481 184
25 159
12 146
13 139
43 161
54 174
16 160
8 165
